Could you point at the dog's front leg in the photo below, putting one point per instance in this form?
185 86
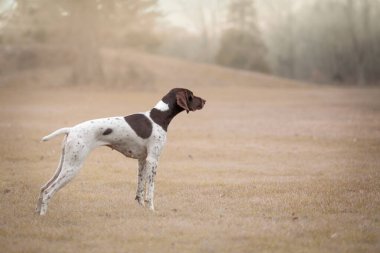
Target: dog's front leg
141 182
151 168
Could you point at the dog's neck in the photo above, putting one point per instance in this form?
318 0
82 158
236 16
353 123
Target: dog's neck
163 112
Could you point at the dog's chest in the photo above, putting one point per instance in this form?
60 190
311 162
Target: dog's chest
129 149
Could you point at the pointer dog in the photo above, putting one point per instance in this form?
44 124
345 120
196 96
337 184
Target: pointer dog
140 136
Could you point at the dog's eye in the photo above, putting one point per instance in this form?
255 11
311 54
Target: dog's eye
190 98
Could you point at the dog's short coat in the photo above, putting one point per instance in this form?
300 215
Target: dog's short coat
140 136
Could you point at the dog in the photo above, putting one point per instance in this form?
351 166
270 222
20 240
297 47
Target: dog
140 136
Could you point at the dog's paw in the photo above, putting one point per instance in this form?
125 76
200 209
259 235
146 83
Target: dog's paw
139 201
149 205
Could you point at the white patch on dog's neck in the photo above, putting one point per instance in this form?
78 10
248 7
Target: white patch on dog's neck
162 106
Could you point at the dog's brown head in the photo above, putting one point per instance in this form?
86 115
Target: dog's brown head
186 100
176 101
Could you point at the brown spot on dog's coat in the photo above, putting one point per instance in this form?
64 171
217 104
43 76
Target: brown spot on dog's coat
140 124
108 131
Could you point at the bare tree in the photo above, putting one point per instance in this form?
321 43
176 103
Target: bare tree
325 40
83 34
241 44
207 18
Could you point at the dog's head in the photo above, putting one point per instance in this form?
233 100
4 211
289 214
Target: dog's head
176 101
186 100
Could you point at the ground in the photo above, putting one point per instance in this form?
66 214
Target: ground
262 168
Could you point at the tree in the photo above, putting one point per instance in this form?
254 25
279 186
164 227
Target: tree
241 44
206 18
325 41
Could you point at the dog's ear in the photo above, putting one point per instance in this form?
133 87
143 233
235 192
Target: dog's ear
181 97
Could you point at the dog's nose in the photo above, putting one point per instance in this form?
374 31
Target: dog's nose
203 102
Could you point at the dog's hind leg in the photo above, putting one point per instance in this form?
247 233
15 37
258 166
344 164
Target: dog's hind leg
73 155
58 170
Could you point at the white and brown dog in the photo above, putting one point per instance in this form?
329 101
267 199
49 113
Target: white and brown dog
140 136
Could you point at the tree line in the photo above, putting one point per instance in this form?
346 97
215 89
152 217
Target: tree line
326 41
322 41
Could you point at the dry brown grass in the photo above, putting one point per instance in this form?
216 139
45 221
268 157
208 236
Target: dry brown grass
279 169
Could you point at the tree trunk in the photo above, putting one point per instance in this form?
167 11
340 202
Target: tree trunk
87 68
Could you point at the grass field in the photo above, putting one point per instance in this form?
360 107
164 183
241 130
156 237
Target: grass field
277 168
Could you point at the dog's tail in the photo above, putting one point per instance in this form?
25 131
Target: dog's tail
64 130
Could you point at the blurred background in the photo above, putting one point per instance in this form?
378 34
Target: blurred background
108 42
